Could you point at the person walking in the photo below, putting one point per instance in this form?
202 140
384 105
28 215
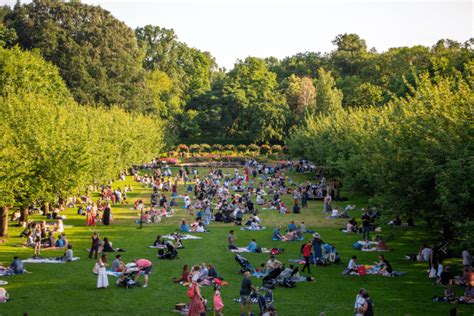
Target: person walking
245 290
307 255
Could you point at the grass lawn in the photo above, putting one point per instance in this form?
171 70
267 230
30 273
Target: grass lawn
70 289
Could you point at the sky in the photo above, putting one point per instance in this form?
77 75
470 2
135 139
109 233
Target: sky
232 30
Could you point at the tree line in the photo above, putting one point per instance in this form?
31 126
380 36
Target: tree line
149 71
50 146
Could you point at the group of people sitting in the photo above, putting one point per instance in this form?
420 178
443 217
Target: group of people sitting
382 267
42 235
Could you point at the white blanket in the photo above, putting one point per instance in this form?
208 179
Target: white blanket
47 260
244 249
250 228
183 237
157 247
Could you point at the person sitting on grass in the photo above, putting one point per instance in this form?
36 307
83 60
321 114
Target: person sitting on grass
117 264
184 227
185 276
276 234
385 267
352 266
69 254
17 266
446 277
252 246
158 241
292 226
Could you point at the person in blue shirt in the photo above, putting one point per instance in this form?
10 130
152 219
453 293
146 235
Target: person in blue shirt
184 227
252 246
276 233
17 266
292 226
60 242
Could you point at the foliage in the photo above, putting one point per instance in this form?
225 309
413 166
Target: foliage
241 148
182 148
265 149
229 147
205 148
413 154
52 147
97 55
276 149
253 148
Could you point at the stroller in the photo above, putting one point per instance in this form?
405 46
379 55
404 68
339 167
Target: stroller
244 264
170 254
128 277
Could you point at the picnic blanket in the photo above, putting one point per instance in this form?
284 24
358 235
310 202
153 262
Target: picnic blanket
183 237
250 228
47 260
113 273
116 250
299 239
374 249
3 282
244 249
6 272
157 247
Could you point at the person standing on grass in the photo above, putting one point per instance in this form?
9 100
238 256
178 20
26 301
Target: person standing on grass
245 290
107 214
95 245
102 279
307 255
144 266
365 226
196 306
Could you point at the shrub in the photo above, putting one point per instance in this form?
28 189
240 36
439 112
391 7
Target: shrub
170 161
229 147
253 147
195 148
264 149
205 148
182 148
276 149
217 147
171 153
241 148
285 150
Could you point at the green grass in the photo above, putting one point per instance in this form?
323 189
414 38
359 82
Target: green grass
70 289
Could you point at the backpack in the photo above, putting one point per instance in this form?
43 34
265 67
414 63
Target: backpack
191 291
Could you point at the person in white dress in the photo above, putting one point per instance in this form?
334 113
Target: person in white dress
102 279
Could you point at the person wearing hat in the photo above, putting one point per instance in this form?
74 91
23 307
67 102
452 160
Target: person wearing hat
317 248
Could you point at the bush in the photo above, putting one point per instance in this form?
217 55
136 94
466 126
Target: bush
276 149
170 161
264 149
205 148
241 148
217 147
182 148
172 153
285 150
253 148
195 148
229 147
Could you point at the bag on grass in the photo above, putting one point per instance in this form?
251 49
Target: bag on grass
361 270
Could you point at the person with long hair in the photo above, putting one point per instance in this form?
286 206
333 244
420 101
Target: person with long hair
102 280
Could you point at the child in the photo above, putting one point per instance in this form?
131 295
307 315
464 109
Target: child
218 304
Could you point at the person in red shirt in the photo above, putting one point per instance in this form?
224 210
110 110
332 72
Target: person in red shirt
307 254
145 266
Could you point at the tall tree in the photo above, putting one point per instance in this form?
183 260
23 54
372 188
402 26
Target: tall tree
328 97
97 55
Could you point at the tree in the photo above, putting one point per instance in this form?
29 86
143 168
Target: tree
328 97
97 55
300 94
367 94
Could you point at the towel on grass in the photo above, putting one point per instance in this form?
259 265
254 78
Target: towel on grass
3 282
244 249
47 260
183 237
250 228
299 239
157 247
113 273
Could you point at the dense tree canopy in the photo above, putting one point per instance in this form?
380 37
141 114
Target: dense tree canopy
97 55
51 146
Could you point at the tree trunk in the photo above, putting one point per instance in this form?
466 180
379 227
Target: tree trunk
24 215
4 222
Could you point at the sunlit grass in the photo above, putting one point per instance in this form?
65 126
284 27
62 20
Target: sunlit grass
69 289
